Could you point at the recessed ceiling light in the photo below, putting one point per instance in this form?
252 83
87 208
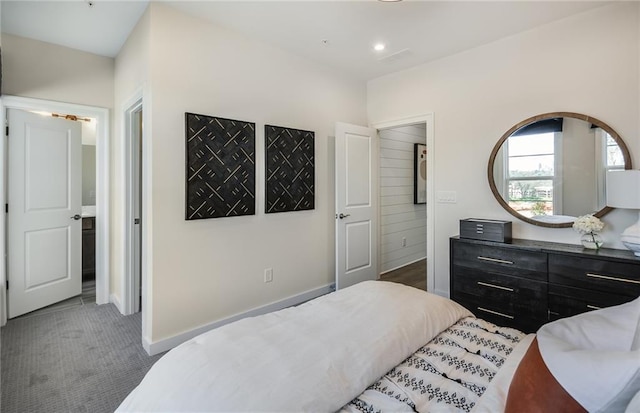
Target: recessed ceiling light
378 47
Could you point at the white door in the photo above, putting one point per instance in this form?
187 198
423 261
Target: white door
356 205
137 208
44 223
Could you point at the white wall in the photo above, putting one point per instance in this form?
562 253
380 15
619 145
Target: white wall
131 77
207 270
88 174
587 63
579 177
89 162
399 216
35 69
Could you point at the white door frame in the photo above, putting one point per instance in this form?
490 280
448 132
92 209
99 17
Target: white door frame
431 250
102 187
130 290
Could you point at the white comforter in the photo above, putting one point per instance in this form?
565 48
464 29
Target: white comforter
314 357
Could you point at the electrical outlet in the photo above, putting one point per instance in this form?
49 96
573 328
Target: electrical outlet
404 242
268 275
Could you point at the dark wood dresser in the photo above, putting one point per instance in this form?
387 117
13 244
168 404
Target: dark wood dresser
524 284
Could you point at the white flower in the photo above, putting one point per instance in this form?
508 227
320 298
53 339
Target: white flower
588 224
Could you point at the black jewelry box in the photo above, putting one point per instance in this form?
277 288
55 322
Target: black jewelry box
485 229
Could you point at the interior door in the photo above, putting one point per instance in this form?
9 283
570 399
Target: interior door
44 222
356 205
136 157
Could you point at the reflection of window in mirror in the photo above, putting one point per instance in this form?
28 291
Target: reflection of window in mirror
609 157
532 171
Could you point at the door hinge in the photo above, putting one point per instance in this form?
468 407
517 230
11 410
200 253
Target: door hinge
6 208
7 130
7 284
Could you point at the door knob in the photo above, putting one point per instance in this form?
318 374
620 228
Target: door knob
76 217
343 216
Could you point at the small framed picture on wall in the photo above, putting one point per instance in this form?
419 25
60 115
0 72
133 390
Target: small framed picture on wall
419 174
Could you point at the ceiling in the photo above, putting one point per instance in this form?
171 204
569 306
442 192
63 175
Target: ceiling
101 29
340 34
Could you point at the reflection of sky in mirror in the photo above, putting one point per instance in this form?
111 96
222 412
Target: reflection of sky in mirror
531 144
531 153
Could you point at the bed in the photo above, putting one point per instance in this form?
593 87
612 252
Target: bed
375 346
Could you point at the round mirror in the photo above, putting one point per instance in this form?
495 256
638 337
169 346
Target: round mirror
550 169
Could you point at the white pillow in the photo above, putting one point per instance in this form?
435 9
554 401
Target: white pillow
595 356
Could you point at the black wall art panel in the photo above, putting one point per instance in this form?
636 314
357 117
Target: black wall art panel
220 167
290 169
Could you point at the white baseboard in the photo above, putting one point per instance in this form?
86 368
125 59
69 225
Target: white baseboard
165 344
403 265
114 299
441 293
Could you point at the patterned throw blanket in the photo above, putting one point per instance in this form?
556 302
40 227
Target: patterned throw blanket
450 373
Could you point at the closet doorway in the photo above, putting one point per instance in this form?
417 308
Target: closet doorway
405 248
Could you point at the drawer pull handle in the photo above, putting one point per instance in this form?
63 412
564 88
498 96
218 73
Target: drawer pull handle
510 317
495 260
607 277
495 286
550 313
593 307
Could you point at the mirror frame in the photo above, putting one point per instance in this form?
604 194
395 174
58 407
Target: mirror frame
507 134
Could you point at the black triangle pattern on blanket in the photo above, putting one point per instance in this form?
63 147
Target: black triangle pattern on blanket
450 373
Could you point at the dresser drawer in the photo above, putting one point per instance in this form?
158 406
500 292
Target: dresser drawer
502 317
530 264
567 301
511 295
606 276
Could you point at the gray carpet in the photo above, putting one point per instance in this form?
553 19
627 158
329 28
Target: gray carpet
81 359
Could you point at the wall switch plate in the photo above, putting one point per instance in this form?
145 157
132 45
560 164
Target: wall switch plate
268 275
404 242
447 197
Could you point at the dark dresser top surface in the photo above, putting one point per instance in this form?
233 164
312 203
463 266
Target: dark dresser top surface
555 247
